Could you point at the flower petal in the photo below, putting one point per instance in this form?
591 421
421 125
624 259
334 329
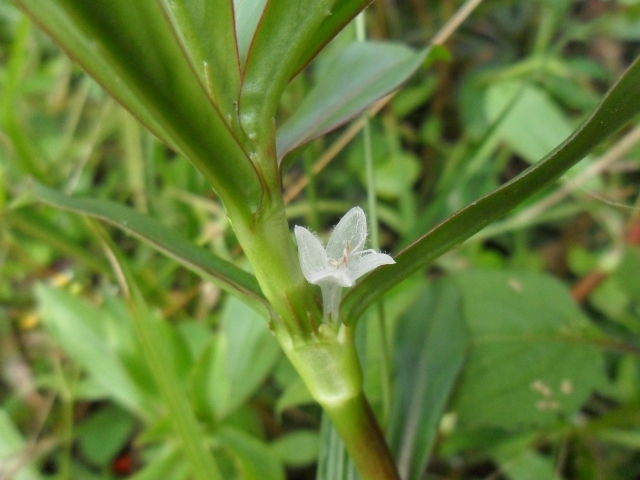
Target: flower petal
352 228
311 253
361 264
336 276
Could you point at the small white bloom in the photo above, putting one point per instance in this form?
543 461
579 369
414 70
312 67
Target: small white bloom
342 262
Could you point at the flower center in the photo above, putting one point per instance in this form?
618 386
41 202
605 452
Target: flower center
343 261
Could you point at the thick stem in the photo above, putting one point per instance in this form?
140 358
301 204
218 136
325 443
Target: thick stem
267 243
357 426
324 354
330 368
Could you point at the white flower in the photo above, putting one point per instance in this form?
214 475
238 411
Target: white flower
342 262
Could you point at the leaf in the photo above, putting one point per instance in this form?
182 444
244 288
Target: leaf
618 107
168 464
533 357
363 73
430 351
158 353
131 50
214 57
528 465
333 462
12 447
627 272
533 125
254 458
295 394
342 13
297 448
234 367
76 327
248 14
284 30
104 434
221 272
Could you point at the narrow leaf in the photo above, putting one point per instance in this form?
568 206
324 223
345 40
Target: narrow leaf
341 14
157 352
223 273
131 50
619 106
363 73
207 32
284 31
248 14
333 461
431 343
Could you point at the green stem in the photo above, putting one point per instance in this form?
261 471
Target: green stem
355 422
329 365
268 245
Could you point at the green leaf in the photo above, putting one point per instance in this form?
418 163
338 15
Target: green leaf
619 106
298 448
248 14
12 446
627 273
255 460
221 272
430 349
77 327
295 394
284 30
132 51
167 464
104 434
528 465
533 124
213 56
157 351
333 462
533 357
363 73
235 365
342 13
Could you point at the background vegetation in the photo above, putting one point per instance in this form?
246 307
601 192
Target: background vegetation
76 400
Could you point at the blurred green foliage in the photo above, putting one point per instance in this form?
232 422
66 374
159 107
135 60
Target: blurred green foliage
548 384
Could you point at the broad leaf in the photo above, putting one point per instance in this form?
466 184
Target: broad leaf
533 357
235 365
131 50
207 32
78 327
360 75
105 433
430 349
282 34
223 273
297 448
618 107
528 465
